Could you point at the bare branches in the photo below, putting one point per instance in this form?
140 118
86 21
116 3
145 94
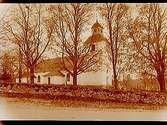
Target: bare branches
70 22
148 33
116 20
30 33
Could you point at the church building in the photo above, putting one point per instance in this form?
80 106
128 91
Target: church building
50 71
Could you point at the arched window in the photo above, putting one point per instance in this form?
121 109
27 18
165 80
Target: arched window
39 78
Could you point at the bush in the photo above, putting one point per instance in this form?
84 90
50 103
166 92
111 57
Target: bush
86 93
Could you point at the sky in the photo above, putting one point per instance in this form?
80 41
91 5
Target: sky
5 7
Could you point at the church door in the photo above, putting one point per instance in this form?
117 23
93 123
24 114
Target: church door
49 80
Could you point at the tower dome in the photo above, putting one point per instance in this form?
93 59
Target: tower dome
97 35
97 28
96 25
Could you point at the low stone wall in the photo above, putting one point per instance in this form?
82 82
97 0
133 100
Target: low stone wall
85 93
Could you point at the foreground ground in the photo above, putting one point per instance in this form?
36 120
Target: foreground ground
32 101
14 108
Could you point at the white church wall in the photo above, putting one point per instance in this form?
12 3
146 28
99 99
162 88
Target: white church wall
54 80
92 78
42 80
88 78
23 80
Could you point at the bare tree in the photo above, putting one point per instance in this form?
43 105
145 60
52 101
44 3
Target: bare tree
149 35
31 33
115 16
70 21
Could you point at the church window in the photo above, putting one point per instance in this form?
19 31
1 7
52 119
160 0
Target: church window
39 78
68 77
49 80
93 47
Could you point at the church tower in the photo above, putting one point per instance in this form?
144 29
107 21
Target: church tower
98 42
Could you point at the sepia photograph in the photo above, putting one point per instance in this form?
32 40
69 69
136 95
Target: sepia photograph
83 61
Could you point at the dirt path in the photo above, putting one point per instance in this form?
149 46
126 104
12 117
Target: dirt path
11 108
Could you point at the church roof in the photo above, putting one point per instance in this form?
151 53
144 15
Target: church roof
96 25
49 65
95 38
53 66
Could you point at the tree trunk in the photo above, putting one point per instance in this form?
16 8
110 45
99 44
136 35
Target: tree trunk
75 68
20 74
115 79
32 75
20 65
75 80
161 80
115 83
27 75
